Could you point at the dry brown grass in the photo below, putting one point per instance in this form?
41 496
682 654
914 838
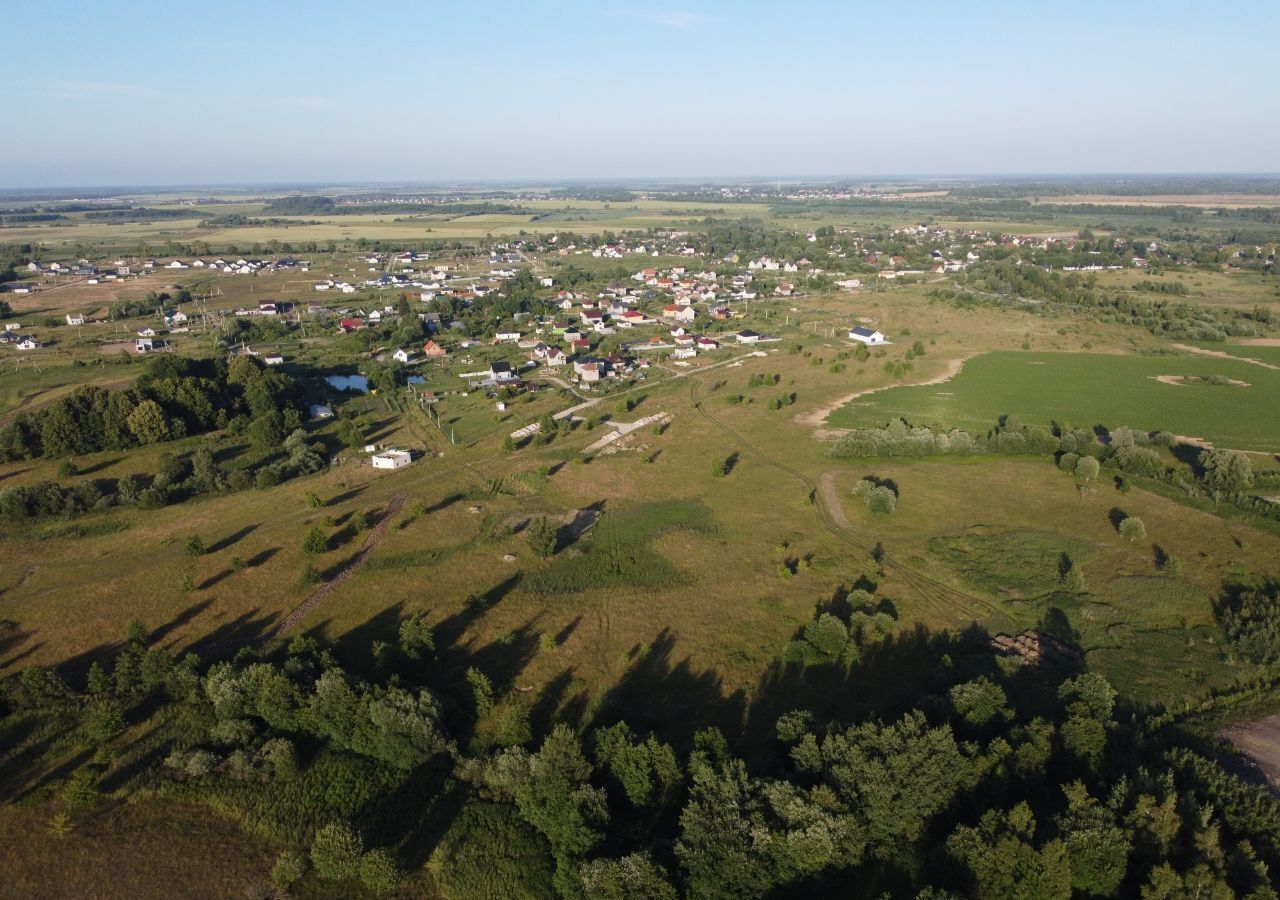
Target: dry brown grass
126 851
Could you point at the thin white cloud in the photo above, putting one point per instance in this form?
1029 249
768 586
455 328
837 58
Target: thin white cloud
101 89
669 18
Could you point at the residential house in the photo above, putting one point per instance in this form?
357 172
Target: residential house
75 318
432 350
501 373
507 337
747 336
28 343
273 359
866 335
589 370
401 355
145 344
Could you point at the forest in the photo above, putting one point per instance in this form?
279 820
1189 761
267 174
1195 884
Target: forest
996 780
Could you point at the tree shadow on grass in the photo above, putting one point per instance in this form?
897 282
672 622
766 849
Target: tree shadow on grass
248 628
346 495
259 558
668 696
1116 515
554 705
232 539
445 502
100 465
214 579
182 618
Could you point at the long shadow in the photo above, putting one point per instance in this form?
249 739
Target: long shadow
215 579
182 618
13 660
567 631
346 495
245 629
234 538
445 502
258 559
690 699
553 704
383 625
224 454
100 465
449 631
13 637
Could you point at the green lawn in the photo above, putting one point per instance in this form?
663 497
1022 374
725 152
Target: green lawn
1086 389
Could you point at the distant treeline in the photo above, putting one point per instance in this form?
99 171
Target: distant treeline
139 214
326 206
24 217
1125 187
237 220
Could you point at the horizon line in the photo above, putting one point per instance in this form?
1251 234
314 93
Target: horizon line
622 180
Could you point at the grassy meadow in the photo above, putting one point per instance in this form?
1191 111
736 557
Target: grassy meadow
677 605
1086 389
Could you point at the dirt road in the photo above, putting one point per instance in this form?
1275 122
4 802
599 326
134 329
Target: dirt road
815 418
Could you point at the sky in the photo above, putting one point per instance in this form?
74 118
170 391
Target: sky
167 93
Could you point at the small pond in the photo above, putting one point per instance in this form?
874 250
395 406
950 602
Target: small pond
348 382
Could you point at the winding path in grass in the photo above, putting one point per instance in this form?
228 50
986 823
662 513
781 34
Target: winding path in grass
817 418
942 598
1218 354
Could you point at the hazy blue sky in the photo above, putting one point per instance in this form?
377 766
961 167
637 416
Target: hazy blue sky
165 92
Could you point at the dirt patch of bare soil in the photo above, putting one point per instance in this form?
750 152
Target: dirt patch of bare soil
1218 354
1193 379
1259 742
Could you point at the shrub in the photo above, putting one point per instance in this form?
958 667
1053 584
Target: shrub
290 865
542 537
379 873
882 500
315 542
1087 468
1133 530
336 851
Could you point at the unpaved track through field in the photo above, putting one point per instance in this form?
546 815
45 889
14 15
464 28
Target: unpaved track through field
941 598
816 417
320 594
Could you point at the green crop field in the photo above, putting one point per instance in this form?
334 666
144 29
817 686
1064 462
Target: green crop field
1086 389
